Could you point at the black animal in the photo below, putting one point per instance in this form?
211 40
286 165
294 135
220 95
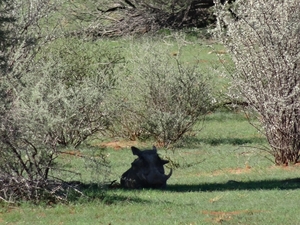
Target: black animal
147 171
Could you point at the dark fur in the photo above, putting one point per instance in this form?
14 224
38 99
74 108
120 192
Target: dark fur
147 171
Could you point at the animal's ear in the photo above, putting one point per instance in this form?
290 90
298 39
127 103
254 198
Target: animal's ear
135 151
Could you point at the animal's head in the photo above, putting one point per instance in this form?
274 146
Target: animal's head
147 171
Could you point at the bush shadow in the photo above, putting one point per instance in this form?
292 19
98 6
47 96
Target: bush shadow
94 191
194 141
231 185
231 141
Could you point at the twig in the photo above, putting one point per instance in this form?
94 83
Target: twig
6 200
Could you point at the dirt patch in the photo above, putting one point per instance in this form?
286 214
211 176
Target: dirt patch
236 171
117 145
71 153
220 216
41 215
240 170
287 167
221 172
218 52
193 153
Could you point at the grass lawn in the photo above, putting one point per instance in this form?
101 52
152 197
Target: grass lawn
220 178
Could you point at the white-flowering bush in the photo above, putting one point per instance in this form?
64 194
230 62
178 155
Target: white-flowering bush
263 38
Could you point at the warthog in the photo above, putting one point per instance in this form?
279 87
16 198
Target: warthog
147 171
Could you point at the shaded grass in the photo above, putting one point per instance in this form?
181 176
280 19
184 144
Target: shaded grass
232 185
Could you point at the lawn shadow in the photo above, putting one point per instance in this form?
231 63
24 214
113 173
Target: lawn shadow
94 191
231 185
231 141
195 141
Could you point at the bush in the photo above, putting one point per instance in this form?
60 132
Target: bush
162 97
263 38
53 97
52 111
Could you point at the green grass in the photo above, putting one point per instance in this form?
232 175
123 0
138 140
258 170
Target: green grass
223 181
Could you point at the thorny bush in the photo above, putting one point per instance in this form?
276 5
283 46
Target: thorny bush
264 40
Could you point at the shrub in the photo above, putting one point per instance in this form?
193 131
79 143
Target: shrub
52 98
52 111
263 38
162 97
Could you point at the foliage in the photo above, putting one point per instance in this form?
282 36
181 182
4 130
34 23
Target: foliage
263 38
162 97
180 14
136 17
5 17
53 98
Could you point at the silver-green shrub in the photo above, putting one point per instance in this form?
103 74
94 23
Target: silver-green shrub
54 92
163 98
263 38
